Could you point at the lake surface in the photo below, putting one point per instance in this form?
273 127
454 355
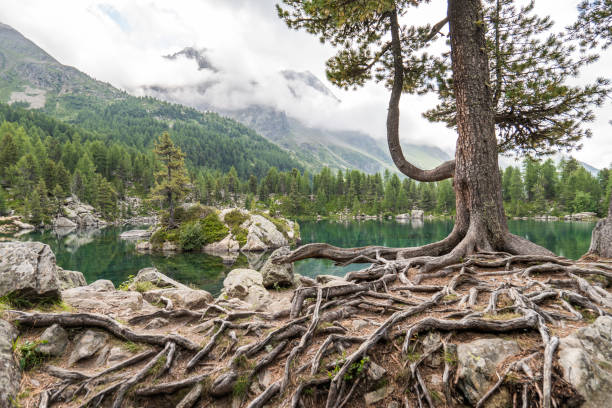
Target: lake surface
100 254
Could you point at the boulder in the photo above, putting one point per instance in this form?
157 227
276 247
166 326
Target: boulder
10 374
53 341
70 279
477 365
63 222
156 323
417 214
88 344
585 357
23 225
117 354
277 274
376 396
263 235
181 298
246 284
135 234
101 297
169 247
28 269
227 244
158 279
143 246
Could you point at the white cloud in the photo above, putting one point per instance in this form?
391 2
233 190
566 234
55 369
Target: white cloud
122 42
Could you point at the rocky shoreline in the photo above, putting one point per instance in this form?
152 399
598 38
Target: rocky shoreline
64 342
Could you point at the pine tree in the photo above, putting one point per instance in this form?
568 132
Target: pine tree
172 181
3 202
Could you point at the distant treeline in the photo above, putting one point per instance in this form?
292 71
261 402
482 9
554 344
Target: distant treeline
534 188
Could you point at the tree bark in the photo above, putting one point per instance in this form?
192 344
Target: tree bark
601 238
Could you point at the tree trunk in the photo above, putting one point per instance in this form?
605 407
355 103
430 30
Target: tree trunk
601 239
480 224
480 212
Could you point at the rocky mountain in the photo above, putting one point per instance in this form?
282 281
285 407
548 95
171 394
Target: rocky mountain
32 78
315 146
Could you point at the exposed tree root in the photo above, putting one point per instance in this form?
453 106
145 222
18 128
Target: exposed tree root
318 356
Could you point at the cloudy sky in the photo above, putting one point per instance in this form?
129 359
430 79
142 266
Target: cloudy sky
122 41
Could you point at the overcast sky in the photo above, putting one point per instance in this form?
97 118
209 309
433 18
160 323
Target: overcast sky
122 41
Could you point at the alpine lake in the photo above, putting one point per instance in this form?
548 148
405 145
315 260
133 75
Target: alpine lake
101 254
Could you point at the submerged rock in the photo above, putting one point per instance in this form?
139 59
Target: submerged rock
135 234
28 269
586 359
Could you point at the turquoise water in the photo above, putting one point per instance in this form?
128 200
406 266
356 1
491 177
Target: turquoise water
100 254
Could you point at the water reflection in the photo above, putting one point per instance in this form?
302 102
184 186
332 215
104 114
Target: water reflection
101 254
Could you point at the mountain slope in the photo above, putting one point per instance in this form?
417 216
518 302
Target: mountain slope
316 147
32 78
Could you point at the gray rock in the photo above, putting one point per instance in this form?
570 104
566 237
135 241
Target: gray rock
378 395
102 285
143 246
63 222
103 355
70 279
28 269
87 345
117 354
169 247
586 359
95 298
181 298
359 324
156 323
477 363
262 235
226 245
53 341
135 234
10 374
393 404
158 279
375 372
277 274
224 384
246 284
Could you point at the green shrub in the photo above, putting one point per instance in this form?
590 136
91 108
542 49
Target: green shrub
234 219
158 237
214 229
191 236
195 234
28 355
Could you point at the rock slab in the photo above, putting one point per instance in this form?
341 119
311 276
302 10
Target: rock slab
10 374
585 357
477 365
87 345
28 269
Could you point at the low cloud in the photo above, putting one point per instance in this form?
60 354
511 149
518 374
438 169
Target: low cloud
123 43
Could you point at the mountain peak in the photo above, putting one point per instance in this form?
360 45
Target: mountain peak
199 55
309 79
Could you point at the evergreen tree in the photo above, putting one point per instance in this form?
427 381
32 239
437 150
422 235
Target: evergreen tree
3 202
172 181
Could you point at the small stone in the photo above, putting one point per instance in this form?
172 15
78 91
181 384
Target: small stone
378 395
53 341
117 354
359 324
156 323
87 345
435 379
102 285
393 404
375 372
